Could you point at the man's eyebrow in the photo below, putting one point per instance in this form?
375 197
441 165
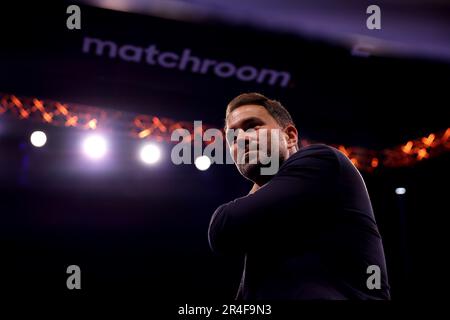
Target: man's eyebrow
244 122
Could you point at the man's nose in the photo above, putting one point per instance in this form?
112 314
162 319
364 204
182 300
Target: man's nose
245 137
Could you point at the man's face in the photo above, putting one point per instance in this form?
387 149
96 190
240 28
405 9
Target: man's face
252 124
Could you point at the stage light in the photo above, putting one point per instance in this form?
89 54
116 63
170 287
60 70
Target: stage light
38 139
150 153
95 146
202 163
400 191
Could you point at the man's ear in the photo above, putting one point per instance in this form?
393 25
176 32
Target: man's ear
292 136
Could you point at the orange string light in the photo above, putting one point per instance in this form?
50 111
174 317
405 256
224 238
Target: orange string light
374 163
429 140
407 147
160 129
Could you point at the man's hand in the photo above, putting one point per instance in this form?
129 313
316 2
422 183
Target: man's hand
254 188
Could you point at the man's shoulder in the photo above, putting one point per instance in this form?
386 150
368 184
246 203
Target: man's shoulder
317 147
317 150
313 156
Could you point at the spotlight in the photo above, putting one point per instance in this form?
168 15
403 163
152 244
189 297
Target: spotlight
38 139
95 146
202 163
400 191
150 153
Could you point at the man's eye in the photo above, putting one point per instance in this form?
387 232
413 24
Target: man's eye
234 139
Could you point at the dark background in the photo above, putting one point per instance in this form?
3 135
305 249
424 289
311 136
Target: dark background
137 230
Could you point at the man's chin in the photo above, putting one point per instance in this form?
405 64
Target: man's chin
251 172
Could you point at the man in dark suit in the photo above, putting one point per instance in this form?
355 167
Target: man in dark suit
307 231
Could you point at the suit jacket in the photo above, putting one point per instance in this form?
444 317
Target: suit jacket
308 233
